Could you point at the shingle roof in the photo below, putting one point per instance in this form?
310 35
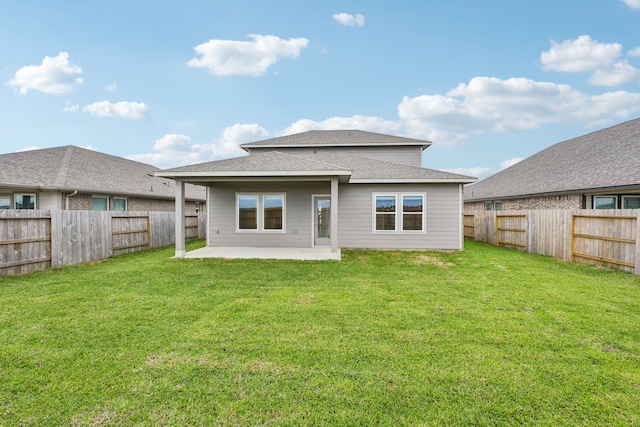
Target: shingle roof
71 168
369 169
274 163
271 161
603 159
318 138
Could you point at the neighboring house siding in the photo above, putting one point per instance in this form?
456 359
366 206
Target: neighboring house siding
404 155
83 202
298 221
443 226
572 201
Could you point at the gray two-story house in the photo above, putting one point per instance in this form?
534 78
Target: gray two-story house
339 188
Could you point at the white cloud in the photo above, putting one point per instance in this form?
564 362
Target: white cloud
585 54
174 150
70 107
493 105
476 172
486 105
229 57
582 54
349 20
110 88
122 110
55 75
372 124
482 172
634 53
30 148
633 4
508 163
619 73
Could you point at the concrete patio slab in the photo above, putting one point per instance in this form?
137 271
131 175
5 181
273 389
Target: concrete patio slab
311 254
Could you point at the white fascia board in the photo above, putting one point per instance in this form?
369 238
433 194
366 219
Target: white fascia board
336 145
249 174
412 181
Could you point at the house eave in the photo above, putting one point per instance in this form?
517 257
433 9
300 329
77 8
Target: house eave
632 188
411 181
250 174
248 147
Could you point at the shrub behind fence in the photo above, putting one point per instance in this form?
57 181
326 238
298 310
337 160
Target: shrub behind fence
608 237
32 240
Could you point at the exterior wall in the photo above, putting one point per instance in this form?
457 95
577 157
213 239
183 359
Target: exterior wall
298 214
404 155
54 200
573 201
443 217
49 200
355 218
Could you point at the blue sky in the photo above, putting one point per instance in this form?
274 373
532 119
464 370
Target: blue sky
181 82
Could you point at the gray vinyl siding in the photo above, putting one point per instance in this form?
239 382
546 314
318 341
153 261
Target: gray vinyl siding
298 211
355 221
404 155
443 217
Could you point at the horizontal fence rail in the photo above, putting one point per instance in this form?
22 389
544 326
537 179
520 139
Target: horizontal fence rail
605 237
33 240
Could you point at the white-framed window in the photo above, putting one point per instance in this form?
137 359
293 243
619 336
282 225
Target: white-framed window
24 201
399 213
5 201
492 206
628 202
605 202
385 212
99 203
261 212
119 204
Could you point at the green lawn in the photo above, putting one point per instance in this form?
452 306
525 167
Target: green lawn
488 336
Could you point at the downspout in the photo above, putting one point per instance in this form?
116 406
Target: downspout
66 202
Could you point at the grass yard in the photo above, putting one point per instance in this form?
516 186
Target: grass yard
485 337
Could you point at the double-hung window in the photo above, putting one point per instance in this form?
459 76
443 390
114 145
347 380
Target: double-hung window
99 203
400 213
260 212
24 201
605 202
5 201
119 204
631 202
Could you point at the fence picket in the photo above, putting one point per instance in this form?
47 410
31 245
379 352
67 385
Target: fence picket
35 240
608 237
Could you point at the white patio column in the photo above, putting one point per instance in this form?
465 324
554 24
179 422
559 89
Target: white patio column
334 215
180 235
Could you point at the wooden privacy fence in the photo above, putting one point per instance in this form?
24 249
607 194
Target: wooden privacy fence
34 240
608 237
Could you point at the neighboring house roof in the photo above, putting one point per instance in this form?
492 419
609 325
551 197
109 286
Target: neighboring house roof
70 168
602 160
356 169
333 138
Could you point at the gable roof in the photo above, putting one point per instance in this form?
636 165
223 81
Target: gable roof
70 168
604 159
326 138
349 167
